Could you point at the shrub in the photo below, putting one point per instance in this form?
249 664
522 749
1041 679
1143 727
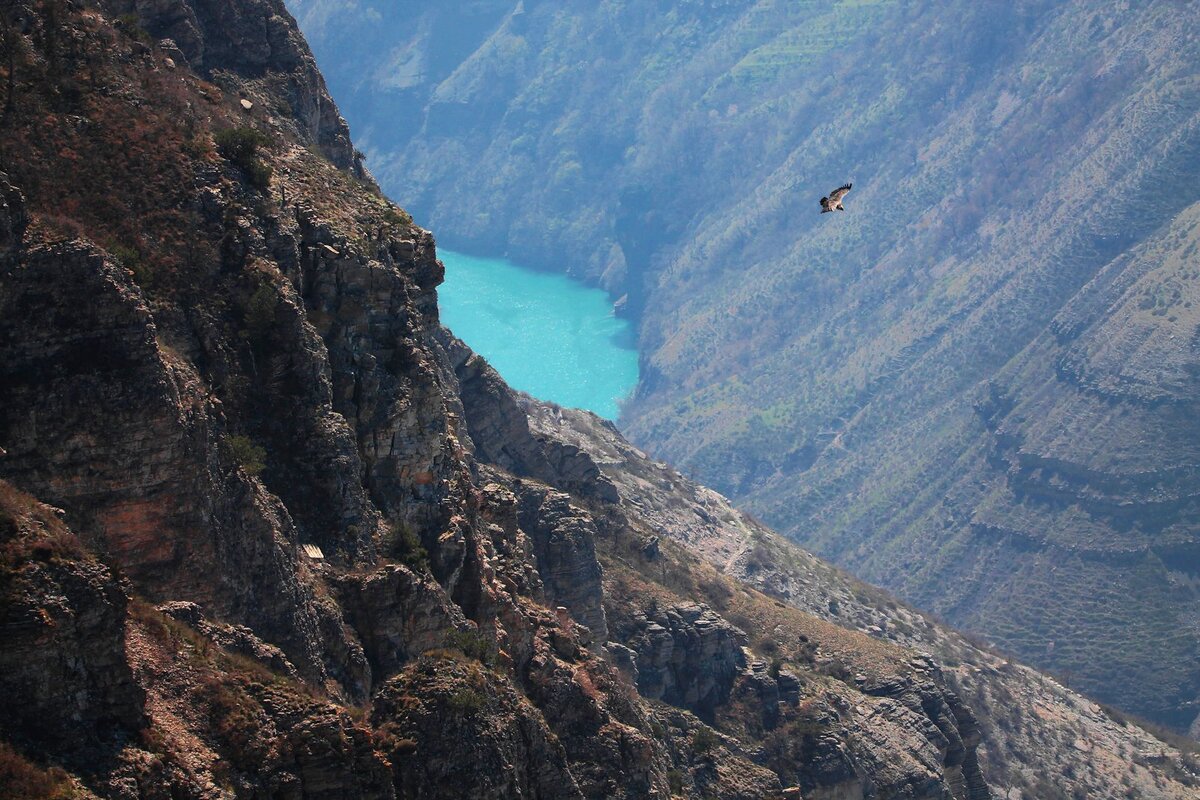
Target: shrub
131 259
259 314
195 147
704 741
24 780
836 669
404 545
465 701
238 144
249 455
397 217
259 174
675 781
45 546
404 746
471 644
240 147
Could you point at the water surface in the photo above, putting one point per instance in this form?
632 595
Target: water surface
546 334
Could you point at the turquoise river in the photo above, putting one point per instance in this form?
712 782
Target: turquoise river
546 334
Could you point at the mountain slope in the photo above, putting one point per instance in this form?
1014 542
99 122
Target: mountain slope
841 376
303 542
306 544
1021 711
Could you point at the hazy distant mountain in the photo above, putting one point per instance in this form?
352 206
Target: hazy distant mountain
978 386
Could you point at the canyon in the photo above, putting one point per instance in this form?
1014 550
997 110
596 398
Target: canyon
267 528
976 387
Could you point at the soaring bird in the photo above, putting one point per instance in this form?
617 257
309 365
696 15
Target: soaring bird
834 201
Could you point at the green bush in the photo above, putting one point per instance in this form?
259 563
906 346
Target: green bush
240 146
704 741
464 702
249 455
131 259
259 313
471 644
675 781
405 546
397 217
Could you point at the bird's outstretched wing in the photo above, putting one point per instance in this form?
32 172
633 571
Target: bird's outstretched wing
837 194
825 205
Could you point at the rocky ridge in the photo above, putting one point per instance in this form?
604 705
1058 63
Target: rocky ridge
300 542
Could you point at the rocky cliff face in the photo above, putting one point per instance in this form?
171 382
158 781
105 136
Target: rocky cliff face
303 543
1081 748
63 627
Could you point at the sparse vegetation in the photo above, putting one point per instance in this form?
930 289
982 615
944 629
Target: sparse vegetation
248 454
465 701
397 217
471 644
21 779
241 146
402 543
704 741
237 719
835 668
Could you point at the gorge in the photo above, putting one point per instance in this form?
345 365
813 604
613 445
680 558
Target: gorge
269 529
978 387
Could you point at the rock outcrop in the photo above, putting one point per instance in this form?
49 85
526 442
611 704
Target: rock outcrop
126 437
437 716
564 538
686 656
62 619
259 42
1009 709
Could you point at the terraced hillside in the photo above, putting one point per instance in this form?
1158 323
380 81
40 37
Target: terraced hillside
303 542
965 388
